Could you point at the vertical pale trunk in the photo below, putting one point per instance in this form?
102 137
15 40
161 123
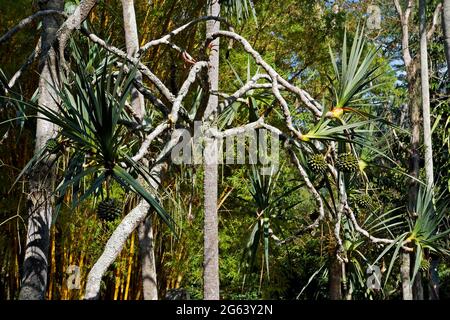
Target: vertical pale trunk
416 289
425 95
40 211
434 278
132 44
211 225
147 253
415 137
405 269
446 31
414 109
145 228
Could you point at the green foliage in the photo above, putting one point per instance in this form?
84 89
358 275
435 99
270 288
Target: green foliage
91 107
354 73
261 218
425 235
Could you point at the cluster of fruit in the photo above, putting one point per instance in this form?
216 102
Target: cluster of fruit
346 162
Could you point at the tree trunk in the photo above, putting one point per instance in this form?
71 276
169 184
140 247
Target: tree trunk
132 44
147 253
335 279
40 211
145 228
446 31
405 274
417 285
415 136
425 95
433 286
211 233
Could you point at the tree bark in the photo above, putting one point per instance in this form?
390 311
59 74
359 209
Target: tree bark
417 285
425 95
132 44
405 269
335 279
433 287
147 253
40 211
210 231
411 69
446 31
434 276
145 229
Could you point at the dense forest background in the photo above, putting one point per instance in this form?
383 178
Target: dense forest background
265 251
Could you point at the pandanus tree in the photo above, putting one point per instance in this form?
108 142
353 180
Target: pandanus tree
96 133
92 129
337 151
426 234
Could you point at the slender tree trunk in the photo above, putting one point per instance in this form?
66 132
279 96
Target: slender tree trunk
434 278
425 95
411 69
335 279
405 271
147 253
145 228
415 136
417 285
132 44
40 211
433 287
211 233
446 31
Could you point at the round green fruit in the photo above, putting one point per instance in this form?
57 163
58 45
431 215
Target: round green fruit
109 210
347 162
317 163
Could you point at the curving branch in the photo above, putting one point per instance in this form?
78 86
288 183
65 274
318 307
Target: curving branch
166 39
237 130
243 90
25 22
311 189
311 104
144 69
113 247
435 21
149 139
131 221
72 23
36 52
196 68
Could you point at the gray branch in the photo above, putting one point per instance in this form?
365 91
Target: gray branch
22 24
